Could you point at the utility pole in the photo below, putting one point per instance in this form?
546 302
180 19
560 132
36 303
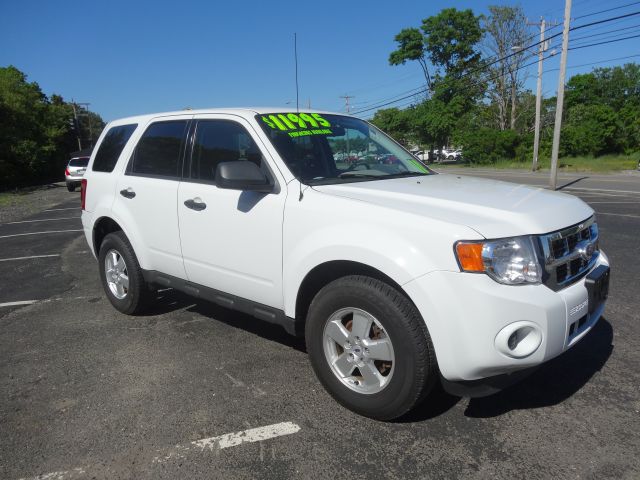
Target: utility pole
553 181
84 112
77 124
542 48
346 102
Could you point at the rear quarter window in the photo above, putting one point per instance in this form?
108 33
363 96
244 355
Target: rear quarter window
111 147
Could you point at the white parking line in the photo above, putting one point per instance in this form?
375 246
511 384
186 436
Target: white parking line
231 440
15 304
633 192
213 444
60 209
46 300
618 214
43 220
38 233
613 202
29 258
63 474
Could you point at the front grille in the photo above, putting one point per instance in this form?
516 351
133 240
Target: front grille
569 253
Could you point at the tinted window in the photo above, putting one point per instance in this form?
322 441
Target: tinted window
159 149
111 147
221 141
79 162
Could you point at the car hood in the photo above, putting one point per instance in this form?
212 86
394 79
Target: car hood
493 208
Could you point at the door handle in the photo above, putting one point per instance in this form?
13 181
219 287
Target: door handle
195 204
128 193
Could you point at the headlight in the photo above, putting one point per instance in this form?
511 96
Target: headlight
511 261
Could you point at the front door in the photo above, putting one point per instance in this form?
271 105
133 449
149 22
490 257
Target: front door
231 239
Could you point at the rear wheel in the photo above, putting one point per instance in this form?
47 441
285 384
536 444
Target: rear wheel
71 187
121 275
369 347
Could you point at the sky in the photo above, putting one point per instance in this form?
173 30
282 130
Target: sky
133 57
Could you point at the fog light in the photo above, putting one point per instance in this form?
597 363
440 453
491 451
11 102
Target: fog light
519 339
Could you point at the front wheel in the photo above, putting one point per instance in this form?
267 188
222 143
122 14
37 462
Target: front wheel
121 275
369 347
71 187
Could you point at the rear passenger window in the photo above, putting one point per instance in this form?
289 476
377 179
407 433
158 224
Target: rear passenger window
221 141
111 147
159 149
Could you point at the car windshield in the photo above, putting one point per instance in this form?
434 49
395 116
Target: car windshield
79 162
323 149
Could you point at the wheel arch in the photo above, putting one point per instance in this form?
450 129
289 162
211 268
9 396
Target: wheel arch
327 272
101 228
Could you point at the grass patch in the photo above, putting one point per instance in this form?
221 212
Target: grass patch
604 164
7 199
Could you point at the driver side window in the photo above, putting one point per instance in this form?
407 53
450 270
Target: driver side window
219 141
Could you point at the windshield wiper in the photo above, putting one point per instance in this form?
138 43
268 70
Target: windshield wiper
406 174
358 175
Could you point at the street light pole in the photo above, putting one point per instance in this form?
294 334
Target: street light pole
553 181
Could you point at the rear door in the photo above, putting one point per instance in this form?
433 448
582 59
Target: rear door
146 195
231 240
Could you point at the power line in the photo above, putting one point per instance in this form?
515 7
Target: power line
603 43
605 33
595 63
607 10
606 20
419 90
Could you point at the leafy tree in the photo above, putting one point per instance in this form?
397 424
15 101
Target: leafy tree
449 40
411 47
395 122
35 131
590 130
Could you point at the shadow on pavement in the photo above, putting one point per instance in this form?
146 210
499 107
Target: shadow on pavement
170 300
551 384
555 381
437 403
571 183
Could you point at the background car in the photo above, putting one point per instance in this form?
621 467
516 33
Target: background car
75 168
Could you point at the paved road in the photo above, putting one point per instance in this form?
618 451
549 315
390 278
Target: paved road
89 393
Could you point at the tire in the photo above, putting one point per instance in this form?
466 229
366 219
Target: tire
71 187
356 302
136 296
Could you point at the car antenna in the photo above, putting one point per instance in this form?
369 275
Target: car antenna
295 55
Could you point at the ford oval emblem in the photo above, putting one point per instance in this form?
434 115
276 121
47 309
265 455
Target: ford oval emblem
585 249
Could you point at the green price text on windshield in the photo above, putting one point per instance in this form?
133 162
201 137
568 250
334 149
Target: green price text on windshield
295 121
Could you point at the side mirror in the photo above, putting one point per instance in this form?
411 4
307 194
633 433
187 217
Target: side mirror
242 175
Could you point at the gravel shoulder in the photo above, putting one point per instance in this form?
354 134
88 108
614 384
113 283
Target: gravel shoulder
25 202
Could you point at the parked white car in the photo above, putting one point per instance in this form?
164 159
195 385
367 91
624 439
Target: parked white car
397 276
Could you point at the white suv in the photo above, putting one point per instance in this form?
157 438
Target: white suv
397 276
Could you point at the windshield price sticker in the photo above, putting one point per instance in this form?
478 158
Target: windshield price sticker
298 124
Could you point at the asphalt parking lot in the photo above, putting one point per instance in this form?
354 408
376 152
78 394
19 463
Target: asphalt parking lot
196 391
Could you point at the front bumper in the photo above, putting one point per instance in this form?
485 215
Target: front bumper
468 314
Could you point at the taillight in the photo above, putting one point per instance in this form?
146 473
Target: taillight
83 192
66 172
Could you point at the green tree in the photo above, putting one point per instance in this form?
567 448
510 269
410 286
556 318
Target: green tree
449 40
396 123
411 47
35 131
